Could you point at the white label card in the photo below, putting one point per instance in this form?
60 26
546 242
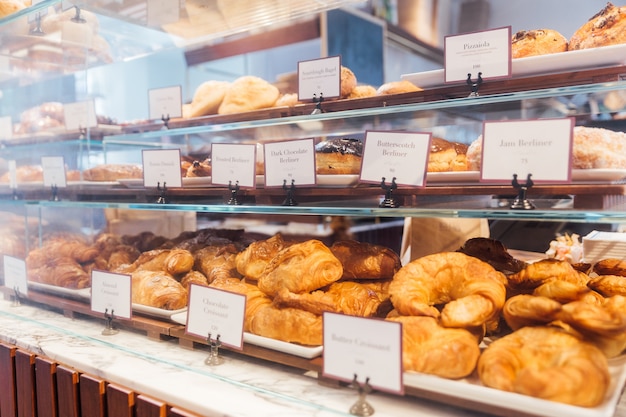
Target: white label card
367 348
53 171
486 52
399 155
6 127
319 77
12 164
216 312
542 148
111 293
161 168
80 115
79 33
15 274
289 162
165 102
234 163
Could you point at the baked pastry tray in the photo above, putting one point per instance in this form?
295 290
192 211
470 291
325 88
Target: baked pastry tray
470 393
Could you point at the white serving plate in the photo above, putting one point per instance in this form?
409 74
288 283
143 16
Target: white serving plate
307 352
472 391
603 56
77 294
578 175
199 182
157 312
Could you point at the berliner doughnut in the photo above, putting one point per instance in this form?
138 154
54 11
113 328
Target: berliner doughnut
537 42
471 291
341 156
433 349
445 156
607 27
548 363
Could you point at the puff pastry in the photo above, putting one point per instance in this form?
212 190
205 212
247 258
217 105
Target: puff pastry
252 261
365 260
287 324
471 291
547 363
431 348
157 289
300 268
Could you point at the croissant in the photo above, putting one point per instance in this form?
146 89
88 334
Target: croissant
217 261
157 289
565 291
341 297
365 260
471 291
433 349
255 298
172 261
535 274
548 363
301 267
610 266
62 272
287 324
193 277
608 285
252 261
530 310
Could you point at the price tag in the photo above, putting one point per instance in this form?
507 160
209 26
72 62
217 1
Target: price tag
15 274
542 148
233 163
367 348
6 127
486 52
161 167
111 293
165 102
400 155
80 115
53 171
289 161
218 313
12 173
319 77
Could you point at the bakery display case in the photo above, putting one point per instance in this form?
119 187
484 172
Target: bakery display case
106 219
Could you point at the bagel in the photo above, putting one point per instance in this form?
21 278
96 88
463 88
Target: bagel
471 291
548 363
432 349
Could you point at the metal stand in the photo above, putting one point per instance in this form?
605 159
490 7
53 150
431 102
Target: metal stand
318 101
162 199
289 201
214 357
361 407
233 201
521 202
166 121
77 17
474 85
16 297
55 193
109 329
37 30
389 201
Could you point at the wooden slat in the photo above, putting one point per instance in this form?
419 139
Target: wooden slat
8 400
67 391
45 381
177 412
92 396
120 401
149 407
25 384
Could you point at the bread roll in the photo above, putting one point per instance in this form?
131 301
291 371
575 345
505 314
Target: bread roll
537 42
397 87
362 91
607 27
348 81
248 93
208 97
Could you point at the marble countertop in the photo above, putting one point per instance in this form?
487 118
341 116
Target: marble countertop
240 387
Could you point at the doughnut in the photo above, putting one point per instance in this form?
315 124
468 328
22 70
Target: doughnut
471 291
548 363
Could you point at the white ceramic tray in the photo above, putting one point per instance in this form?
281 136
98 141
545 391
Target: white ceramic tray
76 294
542 64
472 391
